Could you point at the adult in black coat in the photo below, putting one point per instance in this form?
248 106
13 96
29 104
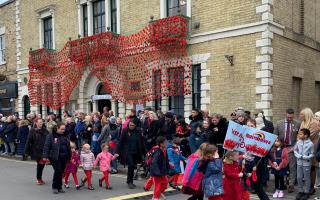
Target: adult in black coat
57 150
10 135
34 147
219 127
70 130
22 136
131 149
153 131
168 130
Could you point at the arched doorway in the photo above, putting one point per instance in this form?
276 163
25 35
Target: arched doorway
26 106
102 102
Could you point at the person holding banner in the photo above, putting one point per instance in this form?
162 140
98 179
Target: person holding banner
288 129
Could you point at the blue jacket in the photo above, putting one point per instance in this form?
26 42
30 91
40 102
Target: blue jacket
174 156
195 140
95 144
10 132
212 183
80 128
304 152
159 165
22 136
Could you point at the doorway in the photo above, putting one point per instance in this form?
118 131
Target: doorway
103 102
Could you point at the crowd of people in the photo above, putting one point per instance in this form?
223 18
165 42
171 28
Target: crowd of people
164 145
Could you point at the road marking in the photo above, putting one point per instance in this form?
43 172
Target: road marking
136 195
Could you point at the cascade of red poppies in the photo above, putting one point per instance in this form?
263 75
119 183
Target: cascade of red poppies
124 64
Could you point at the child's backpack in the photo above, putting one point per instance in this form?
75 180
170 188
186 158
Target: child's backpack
149 156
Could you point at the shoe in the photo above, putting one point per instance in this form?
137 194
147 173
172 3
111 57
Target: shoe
40 182
55 191
280 195
100 183
61 191
83 181
131 186
305 196
163 197
66 186
90 188
299 196
146 189
276 194
312 191
109 188
78 187
290 189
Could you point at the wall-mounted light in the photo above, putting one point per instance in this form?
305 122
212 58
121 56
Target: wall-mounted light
229 58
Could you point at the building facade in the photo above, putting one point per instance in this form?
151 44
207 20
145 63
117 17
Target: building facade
8 78
257 54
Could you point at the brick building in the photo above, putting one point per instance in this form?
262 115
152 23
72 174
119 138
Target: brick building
257 54
8 78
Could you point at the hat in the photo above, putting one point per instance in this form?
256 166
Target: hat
169 115
148 108
112 120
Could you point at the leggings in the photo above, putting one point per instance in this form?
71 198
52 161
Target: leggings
87 179
75 178
105 177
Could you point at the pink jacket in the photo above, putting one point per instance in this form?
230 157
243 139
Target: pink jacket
104 159
72 165
87 160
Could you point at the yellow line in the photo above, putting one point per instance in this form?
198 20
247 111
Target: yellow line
141 194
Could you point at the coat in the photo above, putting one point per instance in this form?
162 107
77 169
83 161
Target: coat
51 147
281 160
35 143
280 130
87 160
219 132
22 136
73 164
314 137
304 152
160 165
212 183
174 156
231 182
10 132
195 140
104 160
70 131
122 148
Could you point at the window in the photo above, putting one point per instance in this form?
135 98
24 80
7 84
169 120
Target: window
176 88
317 92
157 89
174 6
85 19
296 93
99 24
196 86
2 49
47 31
113 14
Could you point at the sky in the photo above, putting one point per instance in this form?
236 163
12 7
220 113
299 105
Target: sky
2 1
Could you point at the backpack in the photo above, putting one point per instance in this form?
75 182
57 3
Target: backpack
149 156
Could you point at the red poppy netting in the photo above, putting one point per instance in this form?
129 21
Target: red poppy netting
124 64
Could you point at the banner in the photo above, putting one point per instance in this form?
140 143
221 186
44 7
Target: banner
248 140
234 139
258 142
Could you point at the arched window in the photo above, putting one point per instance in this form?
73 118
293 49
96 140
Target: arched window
26 106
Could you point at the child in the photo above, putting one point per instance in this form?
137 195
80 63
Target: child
159 169
87 161
279 163
96 148
232 174
72 167
104 159
211 165
175 157
303 151
248 167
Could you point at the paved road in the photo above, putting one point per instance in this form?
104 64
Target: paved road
17 181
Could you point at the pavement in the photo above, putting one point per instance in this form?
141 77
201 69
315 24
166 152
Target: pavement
17 182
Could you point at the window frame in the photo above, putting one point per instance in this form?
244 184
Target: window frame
177 7
2 49
179 99
101 13
196 78
85 19
47 42
113 16
157 89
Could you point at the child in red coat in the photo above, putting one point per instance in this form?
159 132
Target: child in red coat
232 174
72 167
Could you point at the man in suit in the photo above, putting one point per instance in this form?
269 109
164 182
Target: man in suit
288 129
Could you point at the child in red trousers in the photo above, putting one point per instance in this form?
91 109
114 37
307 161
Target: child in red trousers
72 167
87 161
232 173
159 169
104 159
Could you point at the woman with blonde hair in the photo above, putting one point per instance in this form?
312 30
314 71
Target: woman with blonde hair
308 121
